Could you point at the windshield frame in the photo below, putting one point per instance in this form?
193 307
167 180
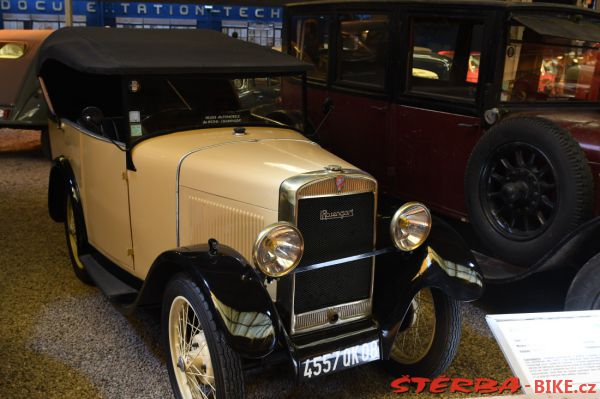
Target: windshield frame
132 143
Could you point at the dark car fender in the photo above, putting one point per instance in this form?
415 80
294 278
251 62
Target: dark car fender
443 262
233 290
572 252
60 182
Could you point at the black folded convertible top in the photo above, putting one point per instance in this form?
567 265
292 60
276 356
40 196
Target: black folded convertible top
110 51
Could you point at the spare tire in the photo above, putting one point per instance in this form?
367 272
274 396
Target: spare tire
527 184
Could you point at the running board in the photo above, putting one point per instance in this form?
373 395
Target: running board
110 285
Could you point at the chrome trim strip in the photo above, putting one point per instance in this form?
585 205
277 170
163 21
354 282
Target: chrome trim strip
346 312
344 260
200 149
337 337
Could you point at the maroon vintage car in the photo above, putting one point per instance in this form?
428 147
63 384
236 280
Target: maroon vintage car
487 111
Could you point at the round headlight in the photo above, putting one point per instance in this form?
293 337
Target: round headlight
278 249
410 226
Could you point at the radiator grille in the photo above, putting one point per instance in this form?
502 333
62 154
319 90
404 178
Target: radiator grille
328 186
328 234
347 312
343 283
336 221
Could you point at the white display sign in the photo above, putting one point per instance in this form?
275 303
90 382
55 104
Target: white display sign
552 353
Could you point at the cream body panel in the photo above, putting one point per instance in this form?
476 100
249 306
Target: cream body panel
98 166
217 163
106 199
252 172
65 141
233 223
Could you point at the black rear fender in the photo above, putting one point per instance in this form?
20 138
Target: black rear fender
60 182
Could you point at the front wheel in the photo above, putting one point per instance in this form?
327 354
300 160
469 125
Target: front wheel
201 364
428 338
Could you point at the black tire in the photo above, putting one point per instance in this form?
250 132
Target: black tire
584 293
45 143
439 340
76 238
227 376
527 184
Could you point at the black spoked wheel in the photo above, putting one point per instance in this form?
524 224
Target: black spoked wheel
428 338
518 191
527 185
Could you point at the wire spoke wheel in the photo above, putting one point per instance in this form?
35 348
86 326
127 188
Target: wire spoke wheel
75 234
71 228
428 337
415 339
189 352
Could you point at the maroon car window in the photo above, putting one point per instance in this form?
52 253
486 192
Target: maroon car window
310 43
363 47
552 58
445 57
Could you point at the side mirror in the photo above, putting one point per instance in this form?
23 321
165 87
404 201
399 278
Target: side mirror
92 115
327 105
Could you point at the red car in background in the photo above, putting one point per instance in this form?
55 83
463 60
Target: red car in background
488 112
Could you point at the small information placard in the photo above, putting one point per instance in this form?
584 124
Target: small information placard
552 353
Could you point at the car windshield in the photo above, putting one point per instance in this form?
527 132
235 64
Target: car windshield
165 104
552 57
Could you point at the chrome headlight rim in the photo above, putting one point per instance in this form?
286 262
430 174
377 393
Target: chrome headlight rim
395 225
260 239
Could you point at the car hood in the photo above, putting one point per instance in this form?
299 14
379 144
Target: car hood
248 168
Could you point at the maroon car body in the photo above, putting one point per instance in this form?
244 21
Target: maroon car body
389 99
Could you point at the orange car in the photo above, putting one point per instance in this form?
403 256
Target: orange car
21 102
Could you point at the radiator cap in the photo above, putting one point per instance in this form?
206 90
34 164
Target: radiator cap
334 168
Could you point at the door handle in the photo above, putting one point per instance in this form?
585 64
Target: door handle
468 125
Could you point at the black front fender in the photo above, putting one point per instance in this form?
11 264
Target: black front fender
443 262
233 289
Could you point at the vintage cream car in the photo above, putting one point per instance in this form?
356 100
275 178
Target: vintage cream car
259 245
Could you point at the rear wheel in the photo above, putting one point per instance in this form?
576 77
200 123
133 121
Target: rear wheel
76 239
428 338
201 364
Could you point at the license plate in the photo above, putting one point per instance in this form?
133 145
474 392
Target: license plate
340 360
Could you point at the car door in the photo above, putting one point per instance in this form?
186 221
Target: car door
358 128
106 198
436 112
